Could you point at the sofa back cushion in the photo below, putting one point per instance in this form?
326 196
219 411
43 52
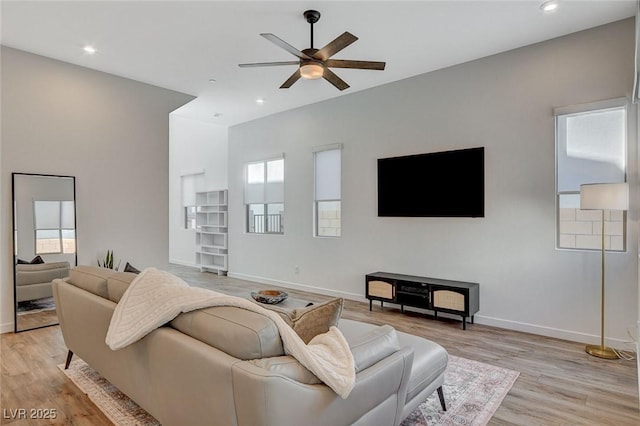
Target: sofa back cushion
37 273
240 333
118 283
102 282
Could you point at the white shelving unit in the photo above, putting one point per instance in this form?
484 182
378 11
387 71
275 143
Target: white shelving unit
211 231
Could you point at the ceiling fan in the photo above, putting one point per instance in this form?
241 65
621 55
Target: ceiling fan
315 63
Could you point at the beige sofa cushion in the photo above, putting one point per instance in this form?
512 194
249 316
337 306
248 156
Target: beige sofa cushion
240 333
37 273
102 282
118 283
373 346
289 367
313 320
91 278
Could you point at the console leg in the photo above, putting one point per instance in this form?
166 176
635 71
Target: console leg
381 304
402 308
441 396
472 319
435 315
464 323
370 304
69 356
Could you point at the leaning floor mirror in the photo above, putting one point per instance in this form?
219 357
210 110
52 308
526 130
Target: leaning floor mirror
44 244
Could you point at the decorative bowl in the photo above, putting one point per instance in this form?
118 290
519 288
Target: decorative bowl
270 297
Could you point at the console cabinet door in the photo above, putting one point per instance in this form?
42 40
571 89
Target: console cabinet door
455 301
382 290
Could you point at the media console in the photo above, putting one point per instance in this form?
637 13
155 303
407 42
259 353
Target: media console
437 295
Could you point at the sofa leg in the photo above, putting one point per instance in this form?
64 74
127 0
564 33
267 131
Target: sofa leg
69 356
441 396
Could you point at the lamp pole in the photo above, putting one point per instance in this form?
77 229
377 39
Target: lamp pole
601 351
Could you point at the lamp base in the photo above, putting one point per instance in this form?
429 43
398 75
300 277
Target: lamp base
601 352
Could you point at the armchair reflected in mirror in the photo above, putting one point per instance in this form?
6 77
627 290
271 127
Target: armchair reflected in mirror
44 244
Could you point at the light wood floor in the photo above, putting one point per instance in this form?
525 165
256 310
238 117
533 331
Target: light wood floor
559 383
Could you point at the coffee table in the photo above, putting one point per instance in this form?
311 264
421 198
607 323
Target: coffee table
287 305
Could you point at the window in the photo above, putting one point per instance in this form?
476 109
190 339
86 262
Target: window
264 196
591 148
190 217
55 225
190 184
327 203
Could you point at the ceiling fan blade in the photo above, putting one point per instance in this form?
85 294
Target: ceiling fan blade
361 65
269 64
294 77
335 46
284 45
334 79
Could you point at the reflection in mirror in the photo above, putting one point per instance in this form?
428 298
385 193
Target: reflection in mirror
44 243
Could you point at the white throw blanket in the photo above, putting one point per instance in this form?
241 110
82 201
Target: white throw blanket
156 297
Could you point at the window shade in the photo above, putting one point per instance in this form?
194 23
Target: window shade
591 148
268 189
68 215
190 185
47 214
327 175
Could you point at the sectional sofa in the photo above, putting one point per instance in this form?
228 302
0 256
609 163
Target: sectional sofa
226 366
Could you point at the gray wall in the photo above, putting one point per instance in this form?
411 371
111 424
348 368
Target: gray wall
504 103
111 133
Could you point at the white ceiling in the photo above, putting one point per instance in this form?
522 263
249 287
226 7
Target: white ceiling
180 45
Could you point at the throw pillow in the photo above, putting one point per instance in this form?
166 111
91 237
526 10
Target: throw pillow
316 319
35 261
129 268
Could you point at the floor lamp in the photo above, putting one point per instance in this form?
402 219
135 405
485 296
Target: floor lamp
603 196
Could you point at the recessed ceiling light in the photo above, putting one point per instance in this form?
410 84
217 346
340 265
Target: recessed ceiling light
549 6
260 101
217 114
89 49
212 80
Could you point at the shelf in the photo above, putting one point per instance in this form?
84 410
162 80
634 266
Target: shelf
211 219
216 240
211 231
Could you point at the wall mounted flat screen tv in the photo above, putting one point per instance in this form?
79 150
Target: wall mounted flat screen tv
440 184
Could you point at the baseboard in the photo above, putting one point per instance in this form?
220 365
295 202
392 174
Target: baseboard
183 263
6 328
297 286
558 333
478 319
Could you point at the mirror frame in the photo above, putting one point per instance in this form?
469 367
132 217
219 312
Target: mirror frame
13 240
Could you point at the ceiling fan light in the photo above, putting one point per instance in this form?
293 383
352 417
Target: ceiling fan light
311 71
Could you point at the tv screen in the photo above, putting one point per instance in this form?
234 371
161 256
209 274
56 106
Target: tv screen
440 184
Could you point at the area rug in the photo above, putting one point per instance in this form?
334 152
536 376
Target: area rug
118 407
473 392
35 306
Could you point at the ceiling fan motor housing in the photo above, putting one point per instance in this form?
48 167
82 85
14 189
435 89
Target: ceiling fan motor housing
312 16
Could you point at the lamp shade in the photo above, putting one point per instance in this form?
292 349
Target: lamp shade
604 196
